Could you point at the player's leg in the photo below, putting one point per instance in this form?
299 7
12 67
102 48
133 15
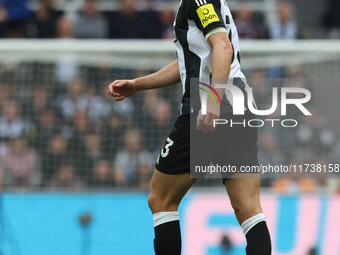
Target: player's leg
166 193
245 200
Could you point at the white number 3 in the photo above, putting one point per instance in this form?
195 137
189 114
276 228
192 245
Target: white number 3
167 147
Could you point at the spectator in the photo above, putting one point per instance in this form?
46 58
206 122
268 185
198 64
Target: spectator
5 96
13 17
313 136
55 154
6 93
44 23
130 24
125 109
166 18
151 18
80 123
269 154
39 102
73 100
294 80
102 176
64 28
93 145
12 124
331 19
112 136
157 127
246 27
66 179
144 177
77 145
85 149
3 19
99 109
67 68
285 27
261 89
90 23
46 127
130 161
149 102
22 165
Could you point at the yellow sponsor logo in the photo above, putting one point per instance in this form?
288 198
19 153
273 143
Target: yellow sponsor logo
207 14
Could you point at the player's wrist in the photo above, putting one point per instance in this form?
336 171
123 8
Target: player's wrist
138 84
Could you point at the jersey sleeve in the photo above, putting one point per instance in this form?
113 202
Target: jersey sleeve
206 14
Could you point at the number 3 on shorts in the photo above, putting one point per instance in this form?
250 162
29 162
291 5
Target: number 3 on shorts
167 147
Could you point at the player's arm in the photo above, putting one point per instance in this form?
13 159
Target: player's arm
221 56
167 76
208 18
222 53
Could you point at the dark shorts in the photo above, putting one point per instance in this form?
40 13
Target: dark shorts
186 148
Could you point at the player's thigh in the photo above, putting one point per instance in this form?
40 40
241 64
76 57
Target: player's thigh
244 194
168 190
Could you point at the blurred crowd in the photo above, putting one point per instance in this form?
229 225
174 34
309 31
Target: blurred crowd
312 143
19 20
59 129
71 136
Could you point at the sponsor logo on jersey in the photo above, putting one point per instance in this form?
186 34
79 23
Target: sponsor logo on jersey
207 14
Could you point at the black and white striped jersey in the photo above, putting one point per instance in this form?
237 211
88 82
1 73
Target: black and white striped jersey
194 20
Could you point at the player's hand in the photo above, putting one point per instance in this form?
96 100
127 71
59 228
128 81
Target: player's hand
120 89
206 122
